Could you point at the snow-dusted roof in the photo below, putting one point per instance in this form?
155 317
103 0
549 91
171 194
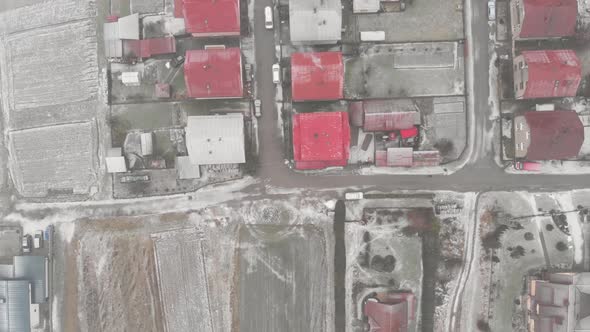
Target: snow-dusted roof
216 139
315 21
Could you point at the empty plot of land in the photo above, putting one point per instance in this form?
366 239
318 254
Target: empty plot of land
33 14
403 70
423 20
54 66
115 275
182 278
59 157
282 279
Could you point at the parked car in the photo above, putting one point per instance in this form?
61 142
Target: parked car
268 17
26 243
257 105
276 73
38 240
527 166
492 10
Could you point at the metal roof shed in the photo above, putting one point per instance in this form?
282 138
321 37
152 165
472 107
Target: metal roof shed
113 46
14 310
185 169
32 268
400 157
129 27
216 139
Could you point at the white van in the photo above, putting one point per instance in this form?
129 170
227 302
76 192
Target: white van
276 73
268 17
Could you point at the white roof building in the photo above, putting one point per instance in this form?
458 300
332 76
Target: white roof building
126 27
216 139
185 169
315 21
115 161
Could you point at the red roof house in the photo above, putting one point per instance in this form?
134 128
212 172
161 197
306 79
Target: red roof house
546 74
207 18
320 140
544 18
317 76
390 312
214 73
552 135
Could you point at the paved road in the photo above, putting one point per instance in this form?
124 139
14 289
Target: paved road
480 174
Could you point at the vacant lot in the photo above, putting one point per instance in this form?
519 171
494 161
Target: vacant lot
423 20
51 66
61 158
282 279
116 279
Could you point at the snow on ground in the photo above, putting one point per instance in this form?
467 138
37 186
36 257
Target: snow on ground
556 167
573 220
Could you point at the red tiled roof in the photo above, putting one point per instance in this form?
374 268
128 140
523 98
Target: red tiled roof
549 18
320 139
555 135
317 76
390 312
552 73
212 17
214 73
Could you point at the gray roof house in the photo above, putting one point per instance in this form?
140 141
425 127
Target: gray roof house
315 21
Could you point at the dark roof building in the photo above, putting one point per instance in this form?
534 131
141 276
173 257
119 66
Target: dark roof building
321 140
146 48
208 18
543 18
552 135
214 73
390 312
317 76
547 74
559 302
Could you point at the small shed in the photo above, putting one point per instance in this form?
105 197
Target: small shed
115 161
400 157
185 169
162 90
130 78
147 144
426 158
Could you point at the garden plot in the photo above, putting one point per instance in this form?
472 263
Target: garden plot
45 13
57 158
117 288
52 66
183 280
283 278
515 243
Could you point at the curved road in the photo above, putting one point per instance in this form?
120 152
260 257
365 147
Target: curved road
481 174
